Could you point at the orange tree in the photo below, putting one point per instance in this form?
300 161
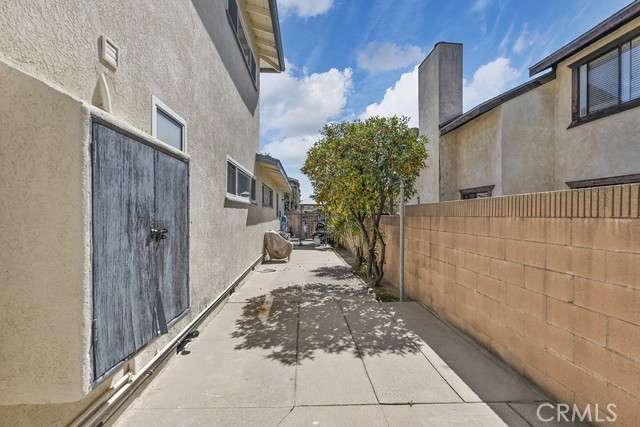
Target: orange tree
356 168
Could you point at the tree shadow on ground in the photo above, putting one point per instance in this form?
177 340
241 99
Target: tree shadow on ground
337 272
296 322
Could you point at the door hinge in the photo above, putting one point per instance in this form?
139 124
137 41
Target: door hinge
94 330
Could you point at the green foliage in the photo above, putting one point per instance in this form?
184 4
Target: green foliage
292 200
344 230
357 168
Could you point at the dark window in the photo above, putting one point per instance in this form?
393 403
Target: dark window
267 196
231 178
476 192
608 81
240 31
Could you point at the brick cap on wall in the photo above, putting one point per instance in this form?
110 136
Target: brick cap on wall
618 201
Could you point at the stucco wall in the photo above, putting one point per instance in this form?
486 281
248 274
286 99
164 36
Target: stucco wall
526 144
440 98
44 310
606 147
528 135
166 52
472 156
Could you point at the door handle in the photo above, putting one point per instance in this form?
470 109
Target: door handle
159 234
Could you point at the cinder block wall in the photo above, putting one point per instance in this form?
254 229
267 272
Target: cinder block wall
549 282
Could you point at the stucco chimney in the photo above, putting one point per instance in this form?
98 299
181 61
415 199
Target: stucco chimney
439 100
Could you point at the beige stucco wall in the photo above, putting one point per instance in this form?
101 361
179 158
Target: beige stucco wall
44 307
528 135
49 66
525 145
471 156
606 147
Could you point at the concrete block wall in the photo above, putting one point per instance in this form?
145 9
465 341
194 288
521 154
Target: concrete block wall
549 282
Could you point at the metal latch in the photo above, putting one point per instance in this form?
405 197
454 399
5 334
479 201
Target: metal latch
159 234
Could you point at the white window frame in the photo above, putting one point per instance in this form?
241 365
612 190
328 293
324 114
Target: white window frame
156 105
234 197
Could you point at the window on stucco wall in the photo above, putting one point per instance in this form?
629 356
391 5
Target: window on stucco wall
607 81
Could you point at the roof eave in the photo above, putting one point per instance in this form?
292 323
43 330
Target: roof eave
273 9
276 164
492 103
604 28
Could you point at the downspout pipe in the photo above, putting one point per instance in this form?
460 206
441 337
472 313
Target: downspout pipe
401 285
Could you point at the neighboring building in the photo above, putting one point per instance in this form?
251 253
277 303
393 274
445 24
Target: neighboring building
292 199
577 125
132 196
295 185
273 198
309 204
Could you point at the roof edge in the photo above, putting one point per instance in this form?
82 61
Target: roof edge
489 105
261 158
275 20
606 27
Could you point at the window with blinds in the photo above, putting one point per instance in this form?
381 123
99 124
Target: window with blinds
611 79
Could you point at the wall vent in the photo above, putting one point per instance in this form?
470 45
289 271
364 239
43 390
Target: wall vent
109 51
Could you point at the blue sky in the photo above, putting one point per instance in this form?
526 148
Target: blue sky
355 58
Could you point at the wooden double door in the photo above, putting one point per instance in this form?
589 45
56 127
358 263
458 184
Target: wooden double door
140 240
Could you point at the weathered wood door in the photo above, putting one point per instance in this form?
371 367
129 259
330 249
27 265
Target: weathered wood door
172 214
140 281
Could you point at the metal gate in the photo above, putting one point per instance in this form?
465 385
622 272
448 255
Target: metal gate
140 245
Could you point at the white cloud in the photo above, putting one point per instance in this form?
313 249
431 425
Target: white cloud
525 40
304 8
488 81
291 151
401 100
388 56
302 105
294 106
480 5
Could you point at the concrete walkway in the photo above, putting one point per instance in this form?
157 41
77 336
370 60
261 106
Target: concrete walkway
304 344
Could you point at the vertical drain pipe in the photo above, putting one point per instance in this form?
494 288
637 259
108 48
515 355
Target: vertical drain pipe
401 241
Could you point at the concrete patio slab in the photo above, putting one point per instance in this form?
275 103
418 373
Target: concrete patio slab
442 415
335 416
398 370
304 344
210 417
330 371
549 415
471 364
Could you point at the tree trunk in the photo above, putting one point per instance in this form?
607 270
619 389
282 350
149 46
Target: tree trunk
359 256
380 263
